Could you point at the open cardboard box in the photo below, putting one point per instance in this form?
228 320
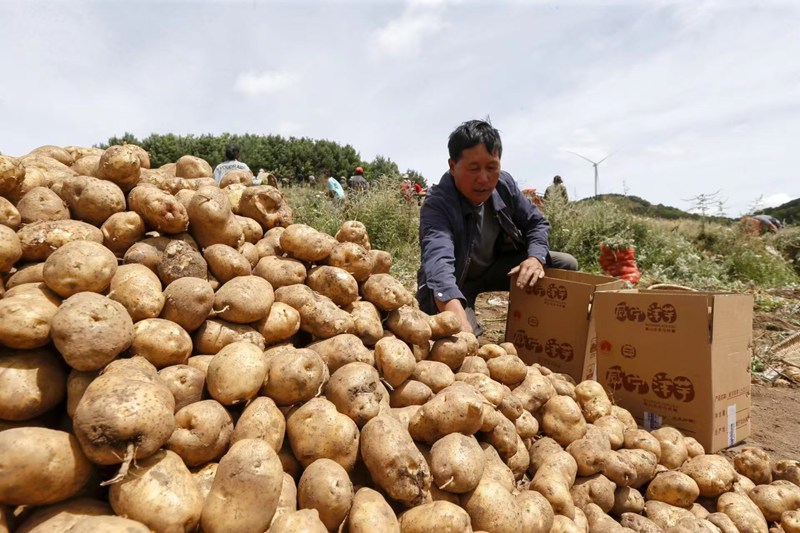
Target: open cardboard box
678 358
551 323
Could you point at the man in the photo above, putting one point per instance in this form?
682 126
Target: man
769 223
476 229
231 163
357 182
556 191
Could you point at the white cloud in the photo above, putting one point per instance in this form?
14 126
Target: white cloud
403 36
774 200
259 84
666 150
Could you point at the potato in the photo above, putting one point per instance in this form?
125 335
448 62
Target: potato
61 516
265 204
212 220
120 164
246 489
339 350
554 475
673 447
776 498
627 500
444 324
161 342
189 166
335 283
295 295
755 464
744 514
644 464
352 258
787 469
79 266
456 463
712 473
490 351
9 214
674 488
693 447
471 364
639 523
664 514
32 382
457 408
280 271
596 489
250 253
244 299
159 491
76 386
562 419
181 260
287 503
323 319
491 507
270 244
213 335
435 375
353 231
25 317
356 391
509 370
261 419
491 390
12 172
306 244
410 325
367 321
316 430
537 515
238 176
394 361
643 440
613 428
92 200
790 521
326 487
526 425
90 330
294 376
370 512
40 204
381 261
394 462
188 302
40 239
385 292
535 391
29 273
410 393
108 524
236 373
142 253
138 289
304 520
186 383
40 466
86 165
440 516
226 263
280 325
203 432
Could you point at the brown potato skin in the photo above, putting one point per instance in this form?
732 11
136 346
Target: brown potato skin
226 262
79 266
326 487
202 434
188 302
40 204
40 239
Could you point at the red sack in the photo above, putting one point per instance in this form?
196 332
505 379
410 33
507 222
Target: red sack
620 263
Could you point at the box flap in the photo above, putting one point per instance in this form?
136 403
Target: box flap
583 277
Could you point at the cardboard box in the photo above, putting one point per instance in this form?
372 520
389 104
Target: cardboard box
551 322
680 359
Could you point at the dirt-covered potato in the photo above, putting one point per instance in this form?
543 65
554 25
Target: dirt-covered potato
339 350
394 360
280 271
189 166
243 300
562 419
326 487
159 491
236 373
202 434
787 469
10 248
188 302
457 408
316 430
40 204
435 375
367 320
323 319
352 258
12 172
356 391
674 488
627 500
776 498
261 419
665 515
162 342
755 464
456 463
306 244
181 260
90 330
507 369
265 204
452 351
32 382
381 261
280 325
9 214
212 220
214 334
410 393
353 231
186 383
712 473
92 200
642 440
40 239
673 447
120 164
79 266
138 289
371 512
409 324
246 489
294 376
385 292
225 262
492 508
744 514
40 466
26 313
335 283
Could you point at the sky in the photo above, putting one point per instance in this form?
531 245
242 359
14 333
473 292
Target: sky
683 97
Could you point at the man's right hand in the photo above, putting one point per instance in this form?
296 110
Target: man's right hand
458 308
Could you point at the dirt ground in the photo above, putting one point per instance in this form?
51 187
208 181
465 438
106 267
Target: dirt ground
775 409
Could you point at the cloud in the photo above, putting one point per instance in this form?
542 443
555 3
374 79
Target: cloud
403 37
774 200
268 82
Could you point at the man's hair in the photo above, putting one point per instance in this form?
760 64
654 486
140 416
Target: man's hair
473 133
557 179
231 152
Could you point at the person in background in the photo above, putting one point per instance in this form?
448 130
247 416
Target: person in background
556 191
477 229
357 182
231 163
335 190
769 222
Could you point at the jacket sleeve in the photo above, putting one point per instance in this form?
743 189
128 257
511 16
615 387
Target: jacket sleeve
531 223
437 247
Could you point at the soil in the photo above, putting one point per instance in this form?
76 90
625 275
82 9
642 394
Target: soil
775 409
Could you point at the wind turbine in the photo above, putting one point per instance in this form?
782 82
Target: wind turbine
594 163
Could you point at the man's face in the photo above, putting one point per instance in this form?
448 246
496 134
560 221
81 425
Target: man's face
476 173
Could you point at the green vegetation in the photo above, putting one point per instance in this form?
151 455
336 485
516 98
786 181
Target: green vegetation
788 213
286 158
640 206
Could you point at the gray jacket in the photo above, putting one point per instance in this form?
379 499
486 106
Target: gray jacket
446 230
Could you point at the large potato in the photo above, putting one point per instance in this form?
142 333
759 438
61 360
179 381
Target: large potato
457 408
40 204
226 263
712 473
246 489
186 383
181 260
79 266
236 373
10 248
160 210
316 430
409 324
159 491
188 302
385 292
673 447
202 434
755 464
674 488
394 360
280 325
12 172
122 230
25 317
265 204
323 319
192 167
326 487
90 330
306 244
457 462
261 419
294 376
367 321
138 289
493 508
161 342
244 299
40 239
335 283
62 516
119 164
212 219
31 383
537 515
280 271
9 214
562 419
370 512
40 466
93 200
352 258
394 462
213 335
355 389
440 516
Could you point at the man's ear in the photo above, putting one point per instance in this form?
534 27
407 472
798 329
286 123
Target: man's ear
452 165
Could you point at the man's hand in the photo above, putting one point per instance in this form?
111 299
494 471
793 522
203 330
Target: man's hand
458 308
530 271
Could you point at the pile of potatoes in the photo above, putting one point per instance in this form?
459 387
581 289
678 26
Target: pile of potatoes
176 356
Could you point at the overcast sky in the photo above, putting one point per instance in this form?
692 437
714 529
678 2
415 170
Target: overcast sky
688 97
